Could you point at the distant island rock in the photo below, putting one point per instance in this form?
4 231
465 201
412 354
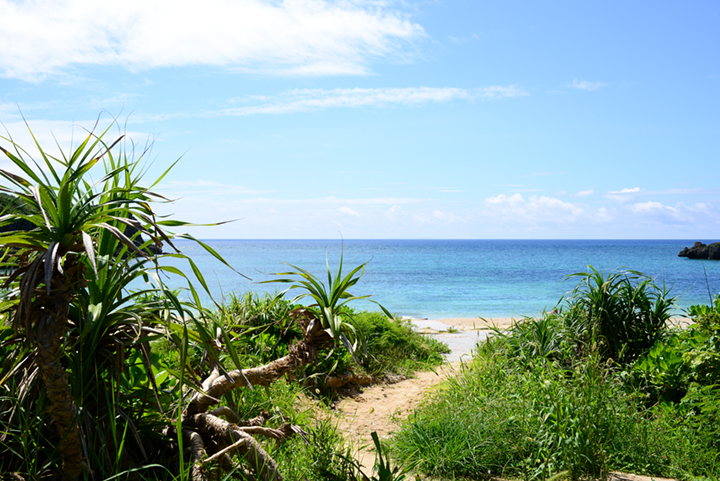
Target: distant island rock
702 251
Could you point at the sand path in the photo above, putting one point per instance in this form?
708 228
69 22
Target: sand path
381 408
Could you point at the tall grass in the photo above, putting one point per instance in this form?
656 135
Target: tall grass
558 396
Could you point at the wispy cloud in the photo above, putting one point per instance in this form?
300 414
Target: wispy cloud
286 37
623 195
300 100
348 211
504 216
585 193
586 85
473 37
653 212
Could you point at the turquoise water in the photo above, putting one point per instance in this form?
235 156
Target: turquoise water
458 278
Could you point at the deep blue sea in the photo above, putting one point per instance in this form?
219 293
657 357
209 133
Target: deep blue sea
457 278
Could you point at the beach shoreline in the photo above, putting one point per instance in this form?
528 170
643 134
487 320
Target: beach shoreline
488 323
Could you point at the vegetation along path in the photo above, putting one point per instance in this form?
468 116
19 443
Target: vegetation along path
381 407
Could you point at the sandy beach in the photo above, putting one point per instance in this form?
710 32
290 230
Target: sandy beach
477 323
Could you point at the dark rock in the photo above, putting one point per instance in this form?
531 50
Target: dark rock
697 251
714 251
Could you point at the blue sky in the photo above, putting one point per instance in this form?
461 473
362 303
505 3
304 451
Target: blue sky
391 119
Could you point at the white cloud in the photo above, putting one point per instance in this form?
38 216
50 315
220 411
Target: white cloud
625 191
585 85
585 193
623 195
448 217
603 215
301 100
648 207
502 216
286 37
657 213
534 210
348 211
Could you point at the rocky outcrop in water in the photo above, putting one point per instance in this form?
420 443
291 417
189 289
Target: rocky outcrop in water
702 251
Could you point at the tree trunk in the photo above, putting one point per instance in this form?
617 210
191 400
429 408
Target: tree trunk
50 334
50 319
299 354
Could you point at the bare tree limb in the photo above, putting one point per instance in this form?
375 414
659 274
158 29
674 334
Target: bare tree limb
259 461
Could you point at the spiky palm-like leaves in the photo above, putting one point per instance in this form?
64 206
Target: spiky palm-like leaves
67 277
621 313
75 339
329 300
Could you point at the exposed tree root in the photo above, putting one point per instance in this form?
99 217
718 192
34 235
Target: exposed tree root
197 451
259 461
212 438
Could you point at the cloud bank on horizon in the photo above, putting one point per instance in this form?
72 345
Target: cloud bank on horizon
388 119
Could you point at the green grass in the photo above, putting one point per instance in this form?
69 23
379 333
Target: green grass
262 332
494 419
554 396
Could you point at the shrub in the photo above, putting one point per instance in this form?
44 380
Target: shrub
620 315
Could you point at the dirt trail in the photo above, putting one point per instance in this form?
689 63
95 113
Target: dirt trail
380 407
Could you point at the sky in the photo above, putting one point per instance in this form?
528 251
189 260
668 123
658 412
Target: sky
383 119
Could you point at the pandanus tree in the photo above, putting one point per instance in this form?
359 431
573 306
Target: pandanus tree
77 326
67 215
68 271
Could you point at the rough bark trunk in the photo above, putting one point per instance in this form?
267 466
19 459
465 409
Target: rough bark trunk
299 354
50 334
49 310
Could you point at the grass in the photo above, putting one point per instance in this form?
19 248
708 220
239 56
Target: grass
554 397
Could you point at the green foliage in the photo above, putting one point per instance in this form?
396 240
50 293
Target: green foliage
395 346
498 419
261 331
326 456
329 300
537 340
620 315
383 470
84 243
707 317
665 372
594 386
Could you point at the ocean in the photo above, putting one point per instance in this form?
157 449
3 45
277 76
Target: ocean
455 278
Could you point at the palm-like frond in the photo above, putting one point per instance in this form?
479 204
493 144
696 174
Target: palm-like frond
329 299
68 283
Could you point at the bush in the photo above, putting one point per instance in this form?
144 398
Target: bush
620 315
